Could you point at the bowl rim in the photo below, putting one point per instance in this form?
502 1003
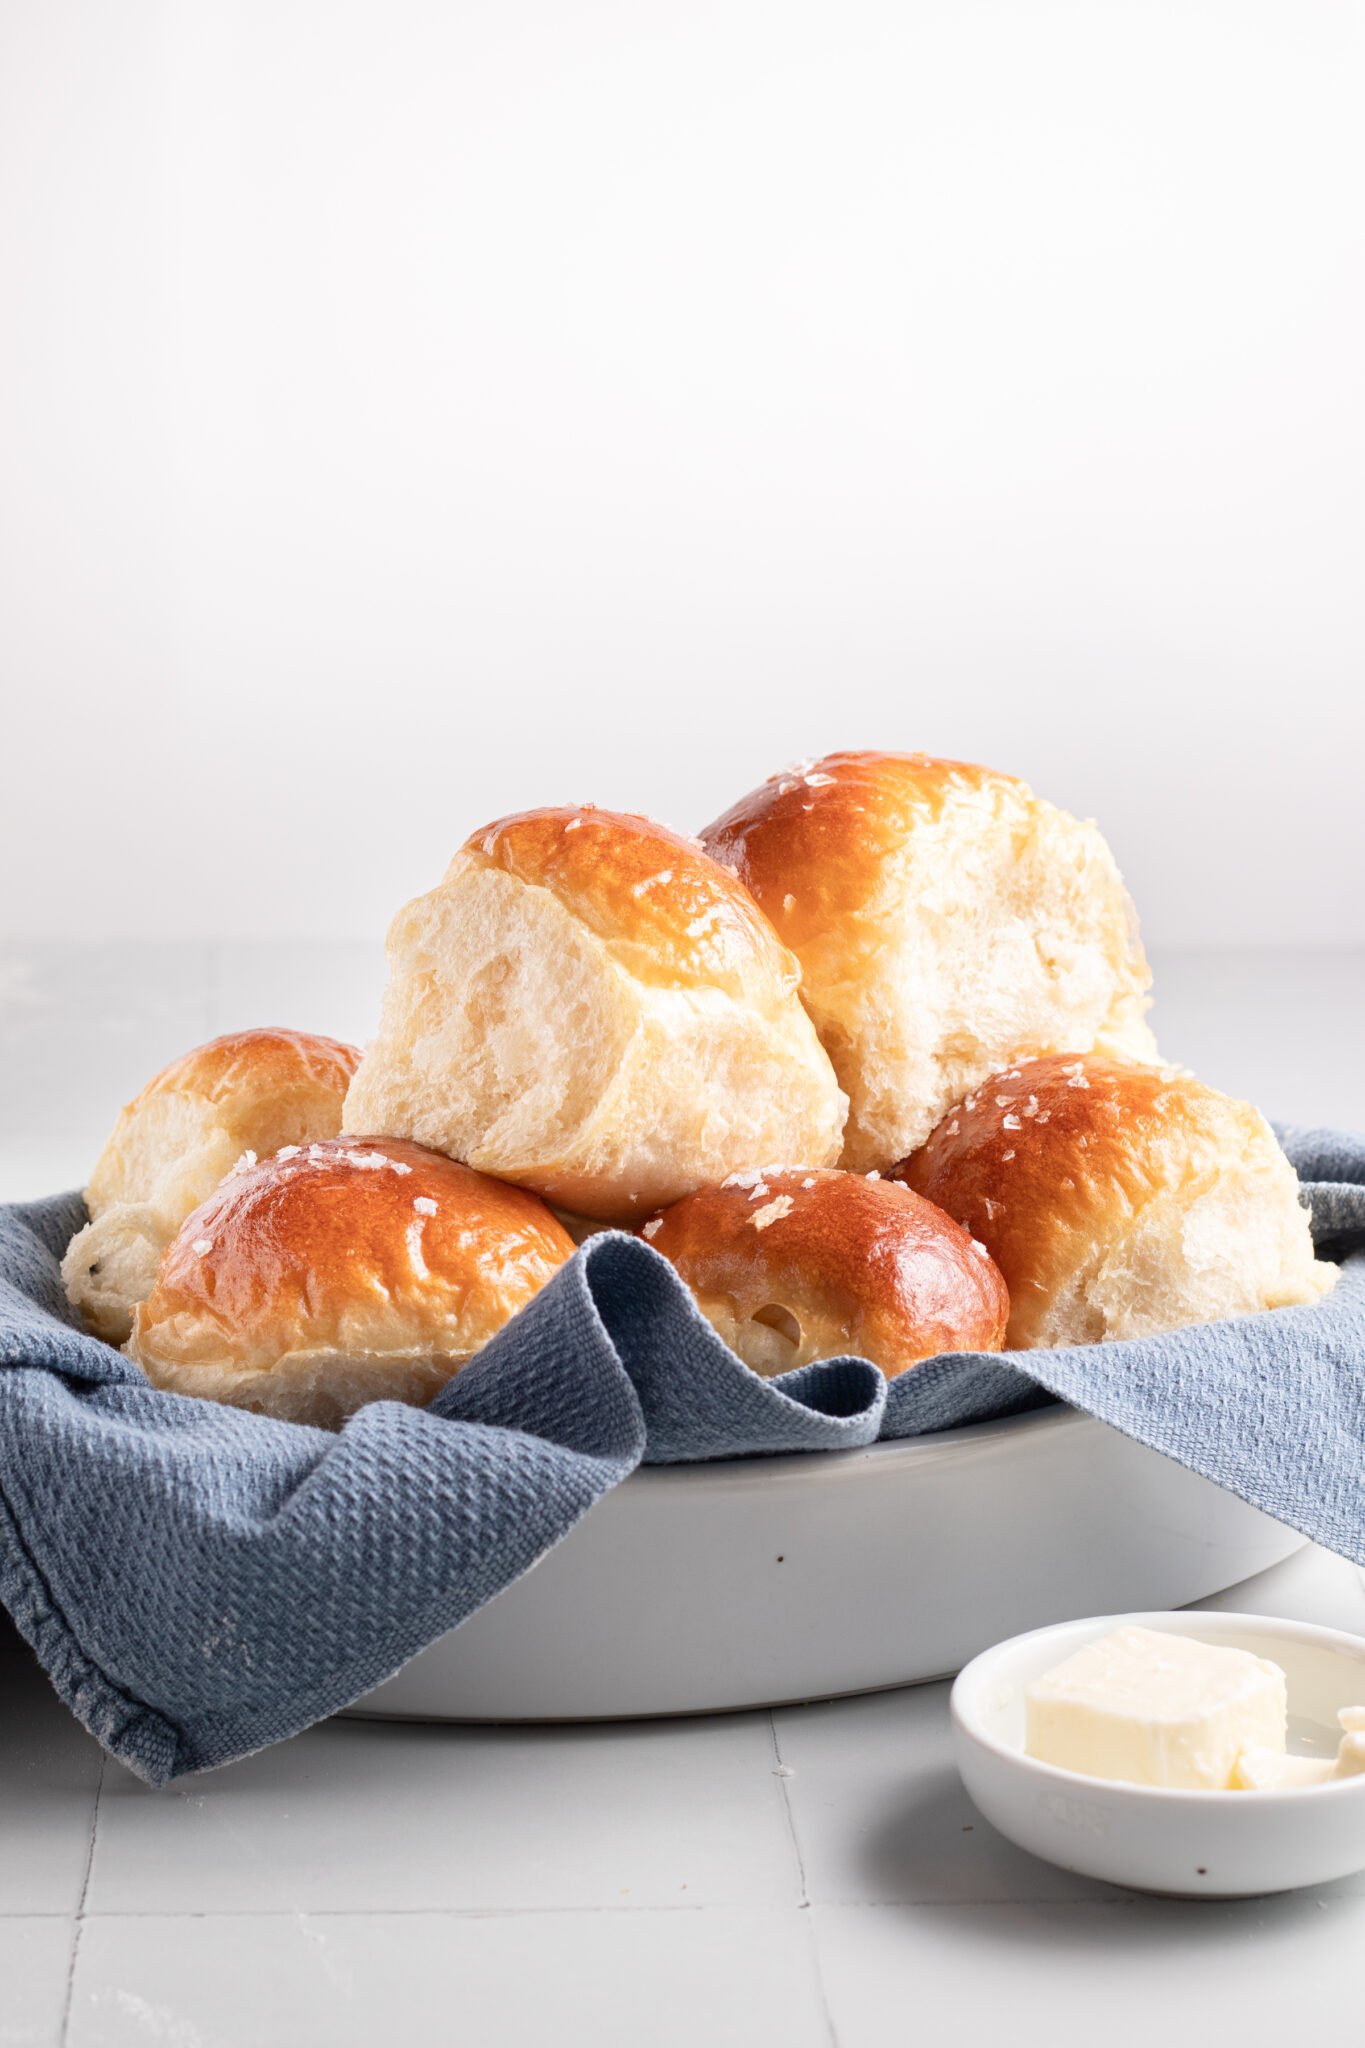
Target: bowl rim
934 1445
969 1729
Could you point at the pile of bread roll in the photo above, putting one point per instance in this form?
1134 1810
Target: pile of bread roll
867 1062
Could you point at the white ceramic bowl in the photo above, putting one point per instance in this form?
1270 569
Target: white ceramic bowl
749 1581
1193 1844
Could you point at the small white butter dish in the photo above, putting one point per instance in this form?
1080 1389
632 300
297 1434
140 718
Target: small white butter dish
1206 1844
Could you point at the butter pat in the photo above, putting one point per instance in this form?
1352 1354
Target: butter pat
1147 1708
1268 1770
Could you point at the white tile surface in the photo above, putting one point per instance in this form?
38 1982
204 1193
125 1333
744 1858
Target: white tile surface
725 1979
644 1883
49 1772
34 1960
1129 1974
367 1815
880 1813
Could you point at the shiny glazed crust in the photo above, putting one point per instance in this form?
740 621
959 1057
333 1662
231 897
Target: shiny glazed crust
947 922
668 912
798 1264
590 1007
354 1270
1120 1200
249 1091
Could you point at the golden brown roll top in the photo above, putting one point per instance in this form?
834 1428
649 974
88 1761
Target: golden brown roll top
667 912
1119 1200
589 1006
947 922
796 1264
249 1091
355 1270
840 823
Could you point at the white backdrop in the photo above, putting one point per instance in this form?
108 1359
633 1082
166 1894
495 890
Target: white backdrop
418 409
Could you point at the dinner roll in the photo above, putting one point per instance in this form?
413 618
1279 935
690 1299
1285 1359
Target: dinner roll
795 1264
947 921
251 1091
588 1005
359 1269
1119 1200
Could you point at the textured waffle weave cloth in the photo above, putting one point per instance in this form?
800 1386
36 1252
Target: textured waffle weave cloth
199 1582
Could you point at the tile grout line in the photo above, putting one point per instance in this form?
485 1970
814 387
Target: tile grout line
1005 1904
78 1925
782 1774
891 1903
719 1907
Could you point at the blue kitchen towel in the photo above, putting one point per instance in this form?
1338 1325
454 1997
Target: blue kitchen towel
199 1582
